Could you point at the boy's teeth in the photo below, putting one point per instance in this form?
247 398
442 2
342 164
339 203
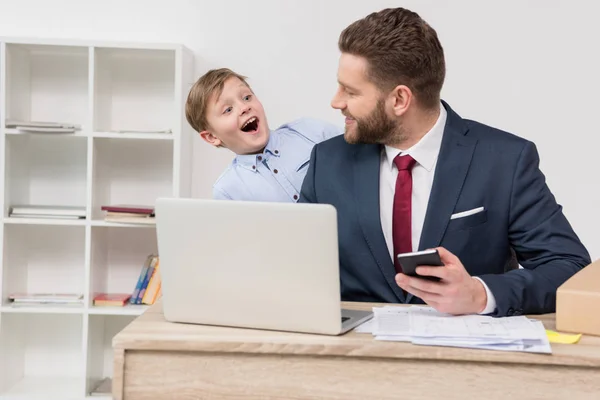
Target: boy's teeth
249 121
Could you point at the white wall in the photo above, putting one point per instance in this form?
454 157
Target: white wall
530 67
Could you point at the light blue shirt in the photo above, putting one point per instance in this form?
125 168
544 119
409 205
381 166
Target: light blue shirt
278 172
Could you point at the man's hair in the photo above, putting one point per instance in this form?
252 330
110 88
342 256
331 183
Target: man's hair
209 84
401 49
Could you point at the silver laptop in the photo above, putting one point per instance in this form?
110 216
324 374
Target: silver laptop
252 264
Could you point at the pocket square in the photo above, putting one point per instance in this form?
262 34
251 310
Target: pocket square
467 213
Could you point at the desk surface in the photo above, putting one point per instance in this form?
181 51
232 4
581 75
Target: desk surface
150 331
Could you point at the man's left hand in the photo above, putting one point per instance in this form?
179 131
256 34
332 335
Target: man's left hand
456 293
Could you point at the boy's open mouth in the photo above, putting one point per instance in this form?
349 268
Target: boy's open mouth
251 125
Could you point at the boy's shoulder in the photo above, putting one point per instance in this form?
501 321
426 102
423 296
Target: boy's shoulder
315 130
223 176
307 123
224 187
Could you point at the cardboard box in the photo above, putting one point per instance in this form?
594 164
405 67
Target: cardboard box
578 302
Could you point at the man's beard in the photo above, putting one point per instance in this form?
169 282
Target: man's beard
377 128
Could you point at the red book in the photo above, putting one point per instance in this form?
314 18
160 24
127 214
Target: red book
129 208
111 299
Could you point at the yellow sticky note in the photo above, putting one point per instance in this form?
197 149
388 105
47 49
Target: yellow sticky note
563 338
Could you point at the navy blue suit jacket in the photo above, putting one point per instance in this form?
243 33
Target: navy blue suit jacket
477 166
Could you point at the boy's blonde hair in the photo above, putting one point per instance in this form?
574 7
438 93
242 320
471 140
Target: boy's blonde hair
209 84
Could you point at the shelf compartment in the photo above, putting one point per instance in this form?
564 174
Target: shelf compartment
100 356
45 170
42 356
47 83
118 255
43 259
134 89
129 171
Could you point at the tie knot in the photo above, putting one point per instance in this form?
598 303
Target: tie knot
404 162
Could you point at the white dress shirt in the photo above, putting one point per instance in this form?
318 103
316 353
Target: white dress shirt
425 153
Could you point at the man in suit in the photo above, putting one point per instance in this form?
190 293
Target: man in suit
411 174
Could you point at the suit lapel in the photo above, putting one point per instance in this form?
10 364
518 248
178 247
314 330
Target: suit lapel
453 164
366 193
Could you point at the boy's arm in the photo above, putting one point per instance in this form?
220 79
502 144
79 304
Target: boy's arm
315 130
219 194
330 130
547 247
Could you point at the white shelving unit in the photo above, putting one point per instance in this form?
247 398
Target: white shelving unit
134 146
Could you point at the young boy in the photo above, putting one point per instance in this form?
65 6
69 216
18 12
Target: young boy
269 165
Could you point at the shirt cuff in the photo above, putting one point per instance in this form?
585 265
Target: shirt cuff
490 306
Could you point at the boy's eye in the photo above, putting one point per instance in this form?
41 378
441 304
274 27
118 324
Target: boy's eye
247 97
227 110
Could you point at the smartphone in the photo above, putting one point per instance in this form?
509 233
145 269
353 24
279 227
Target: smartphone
410 261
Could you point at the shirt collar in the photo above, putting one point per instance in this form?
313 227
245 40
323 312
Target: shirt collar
273 145
250 161
426 150
247 161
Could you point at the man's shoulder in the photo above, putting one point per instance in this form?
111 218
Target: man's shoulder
495 137
336 152
337 143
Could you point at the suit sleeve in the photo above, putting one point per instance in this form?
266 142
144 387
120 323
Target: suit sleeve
546 246
308 192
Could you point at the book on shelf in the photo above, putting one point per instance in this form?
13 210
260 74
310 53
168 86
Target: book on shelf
153 289
46 211
36 299
111 299
130 214
129 208
122 218
147 288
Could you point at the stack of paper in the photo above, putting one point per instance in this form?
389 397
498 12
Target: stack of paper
45 211
42 126
426 326
37 299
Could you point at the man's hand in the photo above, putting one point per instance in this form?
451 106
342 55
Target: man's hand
456 293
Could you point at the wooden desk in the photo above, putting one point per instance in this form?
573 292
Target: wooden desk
155 359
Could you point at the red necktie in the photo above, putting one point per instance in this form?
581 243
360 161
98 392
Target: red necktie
401 222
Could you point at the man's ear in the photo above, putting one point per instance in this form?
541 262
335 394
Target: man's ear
401 98
211 139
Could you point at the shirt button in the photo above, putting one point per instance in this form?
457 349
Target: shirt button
275 171
276 151
295 197
259 158
254 167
